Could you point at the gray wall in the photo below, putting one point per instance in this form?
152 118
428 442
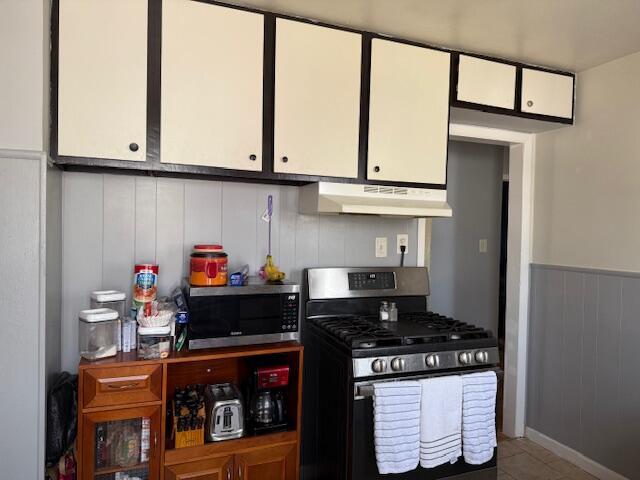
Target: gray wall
465 282
584 368
111 222
53 309
20 302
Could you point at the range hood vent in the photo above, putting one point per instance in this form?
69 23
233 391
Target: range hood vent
334 198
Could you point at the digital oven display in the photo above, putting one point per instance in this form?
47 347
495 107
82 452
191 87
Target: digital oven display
372 281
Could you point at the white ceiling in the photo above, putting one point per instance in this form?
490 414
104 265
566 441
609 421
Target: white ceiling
566 34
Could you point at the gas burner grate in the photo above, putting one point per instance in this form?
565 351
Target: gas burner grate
447 327
360 332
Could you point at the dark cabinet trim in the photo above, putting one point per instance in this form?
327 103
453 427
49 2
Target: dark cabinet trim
154 167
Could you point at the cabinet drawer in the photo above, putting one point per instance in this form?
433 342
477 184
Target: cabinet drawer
123 385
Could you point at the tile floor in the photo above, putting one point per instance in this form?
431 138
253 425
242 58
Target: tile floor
521 459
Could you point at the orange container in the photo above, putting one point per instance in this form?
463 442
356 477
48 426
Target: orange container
208 266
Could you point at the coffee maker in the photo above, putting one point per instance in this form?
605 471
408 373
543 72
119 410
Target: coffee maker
268 399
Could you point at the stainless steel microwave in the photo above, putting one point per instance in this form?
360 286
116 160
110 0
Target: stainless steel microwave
258 312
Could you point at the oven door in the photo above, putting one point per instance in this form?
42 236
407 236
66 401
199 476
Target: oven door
227 320
364 457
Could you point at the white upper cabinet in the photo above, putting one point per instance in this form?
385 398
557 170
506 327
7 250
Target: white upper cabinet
547 93
317 100
486 83
212 74
102 79
409 113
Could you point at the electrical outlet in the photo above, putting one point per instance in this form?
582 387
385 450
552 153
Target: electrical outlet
381 247
402 239
483 245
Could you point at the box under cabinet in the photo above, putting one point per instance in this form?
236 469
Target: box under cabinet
124 428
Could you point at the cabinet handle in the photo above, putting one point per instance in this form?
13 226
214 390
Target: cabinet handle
133 147
529 103
229 473
376 169
252 157
122 387
239 472
285 159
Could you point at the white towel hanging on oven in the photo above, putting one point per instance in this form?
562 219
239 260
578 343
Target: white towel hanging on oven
396 410
441 419
479 416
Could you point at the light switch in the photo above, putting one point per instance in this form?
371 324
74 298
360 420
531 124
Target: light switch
483 245
381 247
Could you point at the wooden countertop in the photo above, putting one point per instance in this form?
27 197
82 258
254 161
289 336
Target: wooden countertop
130 358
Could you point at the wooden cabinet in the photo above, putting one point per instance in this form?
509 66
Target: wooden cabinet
547 93
102 79
408 113
123 427
273 463
220 468
123 441
317 100
212 82
485 82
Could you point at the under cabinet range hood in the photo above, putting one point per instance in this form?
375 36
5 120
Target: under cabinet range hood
325 197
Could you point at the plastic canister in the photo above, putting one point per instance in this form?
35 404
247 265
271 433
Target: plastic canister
97 333
208 266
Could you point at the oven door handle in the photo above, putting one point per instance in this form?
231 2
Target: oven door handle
364 390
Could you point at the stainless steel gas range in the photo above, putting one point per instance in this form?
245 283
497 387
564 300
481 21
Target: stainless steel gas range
348 349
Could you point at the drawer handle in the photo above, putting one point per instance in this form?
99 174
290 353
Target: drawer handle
123 387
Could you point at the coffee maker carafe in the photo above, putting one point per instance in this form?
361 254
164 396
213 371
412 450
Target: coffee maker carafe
267 405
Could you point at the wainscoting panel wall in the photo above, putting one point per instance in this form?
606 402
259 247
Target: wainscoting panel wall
584 363
111 222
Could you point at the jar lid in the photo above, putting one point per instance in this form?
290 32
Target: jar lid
154 330
98 315
108 296
207 248
203 254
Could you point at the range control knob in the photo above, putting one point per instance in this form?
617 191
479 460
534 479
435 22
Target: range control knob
397 364
432 361
465 358
378 365
482 357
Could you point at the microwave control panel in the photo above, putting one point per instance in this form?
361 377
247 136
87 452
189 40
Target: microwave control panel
290 311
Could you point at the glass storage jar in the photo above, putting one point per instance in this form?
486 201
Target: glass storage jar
154 342
98 333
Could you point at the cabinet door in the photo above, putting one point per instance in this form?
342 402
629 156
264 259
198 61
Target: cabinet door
547 93
210 469
271 463
212 75
408 113
486 83
123 441
102 79
317 100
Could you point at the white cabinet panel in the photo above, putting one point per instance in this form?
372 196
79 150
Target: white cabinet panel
409 113
317 100
547 93
212 70
102 79
486 82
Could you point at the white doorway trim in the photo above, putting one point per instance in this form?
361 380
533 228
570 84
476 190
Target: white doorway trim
521 171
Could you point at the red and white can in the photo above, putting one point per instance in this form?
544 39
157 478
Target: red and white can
145 283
